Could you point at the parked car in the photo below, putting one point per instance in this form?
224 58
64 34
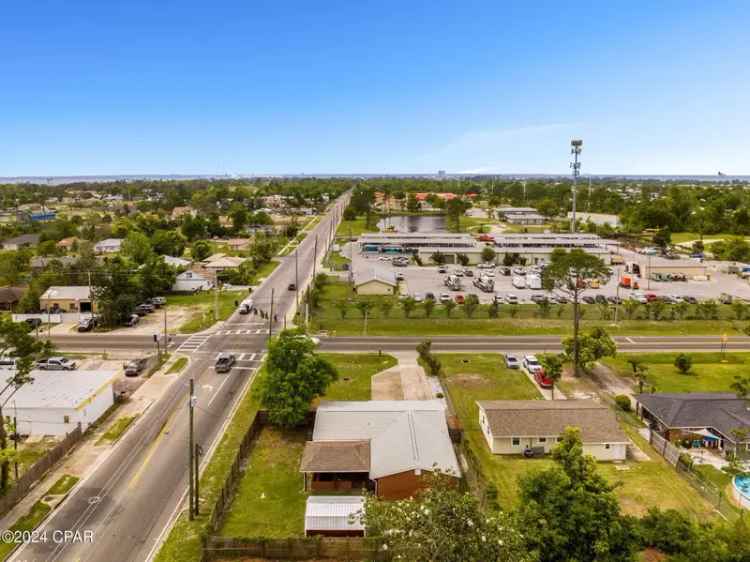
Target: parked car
442 269
458 273
690 299
56 364
489 273
600 299
650 297
639 297
87 324
537 298
429 296
292 287
135 367
33 323
445 297
143 309
542 380
726 298
484 265
8 363
519 271
158 301
512 362
400 277
505 271
132 320
459 298
468 272
614 300
531 364
498 298
511 299
224 362
562 299
588 299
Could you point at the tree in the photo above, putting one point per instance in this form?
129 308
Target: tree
553 368
739 309
570 511
200 250
343 307
116 291
137 247
429 306
493 310
449 306
630 306
385 307
470 305
412 204
568 272
443 524
462 259
364 307
662 238
295 375
741 386
408 304
683 363
438 258
488 254
548 207
168 243
591 347
640 370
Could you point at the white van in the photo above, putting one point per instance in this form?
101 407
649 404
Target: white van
519 282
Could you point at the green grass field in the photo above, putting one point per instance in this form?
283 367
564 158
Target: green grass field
357 227
116 430
177 366
202 307
264 271
708 374
482 377
355 374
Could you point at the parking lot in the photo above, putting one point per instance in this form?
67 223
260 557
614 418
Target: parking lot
419 280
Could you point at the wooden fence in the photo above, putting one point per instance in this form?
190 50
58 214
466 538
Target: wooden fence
670 453
38 470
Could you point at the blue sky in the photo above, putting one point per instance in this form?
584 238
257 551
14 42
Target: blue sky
343 87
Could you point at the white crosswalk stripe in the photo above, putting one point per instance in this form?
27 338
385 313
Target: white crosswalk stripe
194 342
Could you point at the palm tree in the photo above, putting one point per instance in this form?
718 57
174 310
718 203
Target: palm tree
385 307
408 305
343 306
553 366
429 305
449 306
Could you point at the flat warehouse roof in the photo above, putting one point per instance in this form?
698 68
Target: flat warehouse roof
59 389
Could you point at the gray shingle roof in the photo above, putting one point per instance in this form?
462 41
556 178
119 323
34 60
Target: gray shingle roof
531 418
336 456
722 411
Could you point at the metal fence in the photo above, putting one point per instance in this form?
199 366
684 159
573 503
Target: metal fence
670 453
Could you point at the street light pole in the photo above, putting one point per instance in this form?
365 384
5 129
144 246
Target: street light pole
270 316
296 279
191 448
576 145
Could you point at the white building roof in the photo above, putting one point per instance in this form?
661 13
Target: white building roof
333 513
109 243
79 293
404 434
59 389
365 275
176 262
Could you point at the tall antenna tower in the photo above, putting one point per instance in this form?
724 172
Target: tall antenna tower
576 146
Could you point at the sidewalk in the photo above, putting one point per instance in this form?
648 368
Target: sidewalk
84 458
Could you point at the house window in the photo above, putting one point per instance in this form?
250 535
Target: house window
542 439
66 419
516 441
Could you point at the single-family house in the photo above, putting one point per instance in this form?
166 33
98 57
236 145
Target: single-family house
10 296
179 212
22 241
191 282
68 243
56 401
388 446
38 263
237 244
510 427
217 263
179 263
714 420
67 299
334 516
108 246
375 281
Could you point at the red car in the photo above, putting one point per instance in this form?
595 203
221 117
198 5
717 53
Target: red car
541 379
650 297
459 299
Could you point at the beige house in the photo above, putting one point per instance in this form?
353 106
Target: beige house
512 426
374 281
67 299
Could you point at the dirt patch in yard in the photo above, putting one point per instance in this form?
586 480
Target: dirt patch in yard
387 385
470 380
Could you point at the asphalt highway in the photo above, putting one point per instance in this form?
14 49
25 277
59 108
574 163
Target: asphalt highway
134 492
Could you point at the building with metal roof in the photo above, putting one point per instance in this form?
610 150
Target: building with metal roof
334 516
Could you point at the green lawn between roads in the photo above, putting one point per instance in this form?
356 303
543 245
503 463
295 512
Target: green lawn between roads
203 305
269 502
708 374
483 377
521 319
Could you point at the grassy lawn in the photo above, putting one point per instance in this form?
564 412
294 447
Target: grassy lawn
355 374
265 270
183 543
116 430
270 501
336 261
524 319
356 227
202 305
37 513
708 374
29 453
644 484
682 237
178 365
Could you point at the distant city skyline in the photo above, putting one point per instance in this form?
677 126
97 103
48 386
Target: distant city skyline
296 88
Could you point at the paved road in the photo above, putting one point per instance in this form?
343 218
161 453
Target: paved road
131 497
527 343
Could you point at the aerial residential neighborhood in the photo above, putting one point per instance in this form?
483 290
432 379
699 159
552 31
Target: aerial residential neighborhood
374 282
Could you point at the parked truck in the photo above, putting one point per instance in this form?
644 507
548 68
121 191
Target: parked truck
485 284
453 282
533 281
519 281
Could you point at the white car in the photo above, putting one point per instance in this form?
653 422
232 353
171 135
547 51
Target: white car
418 297
445 297
512 362
639 297
531 364
499 298
511 299
489 273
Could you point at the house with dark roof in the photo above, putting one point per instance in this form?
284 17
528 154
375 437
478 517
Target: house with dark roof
10 296
510 427
716 420
22 241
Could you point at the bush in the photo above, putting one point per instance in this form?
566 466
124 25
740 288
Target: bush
623 402
685 460
439 395
683 363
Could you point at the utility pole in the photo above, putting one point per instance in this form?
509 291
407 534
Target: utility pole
166 338
191 448
197 456
576 145
296 279
270 316
216 301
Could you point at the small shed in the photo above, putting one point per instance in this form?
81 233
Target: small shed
334 516
374 281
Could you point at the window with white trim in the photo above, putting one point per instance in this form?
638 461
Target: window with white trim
516 441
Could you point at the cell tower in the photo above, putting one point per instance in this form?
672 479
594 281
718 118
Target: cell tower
576 146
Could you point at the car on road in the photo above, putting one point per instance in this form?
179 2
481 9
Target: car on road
458 273
459 299
531 364
445 297
511 299
56 364
468 272
442 269
132 320
292 287
143 309
87 324
511 361
400 277
542 379
244 308
157 301
224 362
588 299
33 323
384 258
135 367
